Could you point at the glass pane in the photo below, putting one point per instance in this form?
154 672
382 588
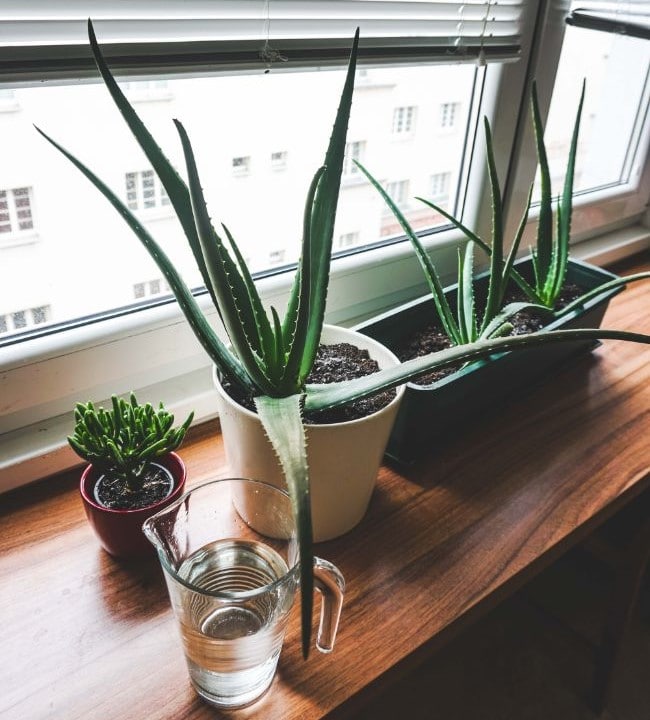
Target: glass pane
616 71
242 128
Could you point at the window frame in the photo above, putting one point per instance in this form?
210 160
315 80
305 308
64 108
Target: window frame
164 359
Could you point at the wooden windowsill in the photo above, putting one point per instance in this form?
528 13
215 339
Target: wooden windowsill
85 636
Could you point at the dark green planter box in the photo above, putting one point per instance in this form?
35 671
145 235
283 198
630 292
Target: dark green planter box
429 414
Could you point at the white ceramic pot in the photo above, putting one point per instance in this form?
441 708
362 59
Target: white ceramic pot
344 458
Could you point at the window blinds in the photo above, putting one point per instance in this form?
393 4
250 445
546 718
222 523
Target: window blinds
50 35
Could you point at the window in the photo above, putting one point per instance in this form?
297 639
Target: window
398 191
403 120
353 151
15 211
346 240
150 288
612 116
279 160
276 257
243 101
241 165
449 113
24 319
144 191
8 100
440 187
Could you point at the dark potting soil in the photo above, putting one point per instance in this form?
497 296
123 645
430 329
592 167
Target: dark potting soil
114 493
334 363
432 338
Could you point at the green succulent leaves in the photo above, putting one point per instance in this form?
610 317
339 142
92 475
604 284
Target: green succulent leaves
123 440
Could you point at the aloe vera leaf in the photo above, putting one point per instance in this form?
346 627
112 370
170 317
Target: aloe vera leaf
323 397
282 422
324 215
466 311
507 270
481 243
445 312
216 350
177 191
301 305
279 350
603 289
236 311
508 311
266 341
545 221
496 278
566 203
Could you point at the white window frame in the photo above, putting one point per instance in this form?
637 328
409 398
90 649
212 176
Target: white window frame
155 352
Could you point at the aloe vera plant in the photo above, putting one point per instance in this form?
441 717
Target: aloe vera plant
466 327
271 357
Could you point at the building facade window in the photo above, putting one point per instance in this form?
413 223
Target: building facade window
276 257
241 165
398 191
346 240
449 114
16 211
353 151
404 120
144 191
150 288
24 319
279 160
439 188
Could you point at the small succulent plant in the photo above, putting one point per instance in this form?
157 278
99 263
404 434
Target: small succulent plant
121 442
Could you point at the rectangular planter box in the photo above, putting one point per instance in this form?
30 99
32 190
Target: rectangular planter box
429 414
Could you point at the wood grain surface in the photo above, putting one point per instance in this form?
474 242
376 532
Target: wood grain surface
84 636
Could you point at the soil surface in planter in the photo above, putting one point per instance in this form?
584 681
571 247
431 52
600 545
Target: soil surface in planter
432 338
114 493
341 361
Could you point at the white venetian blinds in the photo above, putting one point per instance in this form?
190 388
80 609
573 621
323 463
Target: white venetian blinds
52 33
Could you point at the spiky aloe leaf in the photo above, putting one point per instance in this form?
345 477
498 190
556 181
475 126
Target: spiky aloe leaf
566 203
264 335
298 311
445 312
282 422
232 295
604 290
545 221
177 191
210 341
496 278
521 282
323 397
505 315
466 312
323 216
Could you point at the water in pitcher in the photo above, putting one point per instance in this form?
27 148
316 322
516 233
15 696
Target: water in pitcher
232 644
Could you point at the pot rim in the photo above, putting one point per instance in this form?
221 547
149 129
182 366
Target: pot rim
399 390
179 484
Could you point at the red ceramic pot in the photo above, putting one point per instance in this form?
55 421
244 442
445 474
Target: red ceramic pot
120 531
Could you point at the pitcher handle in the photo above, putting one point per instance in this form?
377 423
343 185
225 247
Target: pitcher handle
330 584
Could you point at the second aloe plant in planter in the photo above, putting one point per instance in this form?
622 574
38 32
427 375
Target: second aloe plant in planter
270 357
476 308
